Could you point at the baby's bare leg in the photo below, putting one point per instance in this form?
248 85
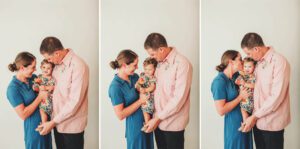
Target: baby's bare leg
147 117
245 114
44 116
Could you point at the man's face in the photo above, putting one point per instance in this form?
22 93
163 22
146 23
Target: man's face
254 53
158 55
53 58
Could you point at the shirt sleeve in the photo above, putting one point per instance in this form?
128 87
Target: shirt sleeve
78 92
181 90
116 95
280 87
218 89
14 96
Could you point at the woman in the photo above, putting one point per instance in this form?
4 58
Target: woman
126 100
25 101
227 99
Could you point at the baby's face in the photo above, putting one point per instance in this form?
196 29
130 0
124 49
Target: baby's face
249 67
46 69
149 70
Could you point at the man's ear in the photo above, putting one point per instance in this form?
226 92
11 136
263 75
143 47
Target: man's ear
256 49
56 53
161 49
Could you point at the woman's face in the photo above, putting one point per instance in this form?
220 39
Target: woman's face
237 64
129 69
28 71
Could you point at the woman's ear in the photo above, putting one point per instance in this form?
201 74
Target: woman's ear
21 68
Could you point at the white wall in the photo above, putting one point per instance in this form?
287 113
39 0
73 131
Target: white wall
23 26
223 25
126 24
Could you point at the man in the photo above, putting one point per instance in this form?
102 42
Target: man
70 95
172 93
271 94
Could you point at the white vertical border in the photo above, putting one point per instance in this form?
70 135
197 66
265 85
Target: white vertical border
99 45
200 95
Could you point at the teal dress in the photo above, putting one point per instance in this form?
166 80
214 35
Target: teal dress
224 88
21 93
121 91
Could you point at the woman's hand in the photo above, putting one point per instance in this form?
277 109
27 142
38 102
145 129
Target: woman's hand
142 90
42 88
50 88
43 94
244 93
144 98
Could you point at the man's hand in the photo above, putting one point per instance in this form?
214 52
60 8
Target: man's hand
249 123
45 128
152 124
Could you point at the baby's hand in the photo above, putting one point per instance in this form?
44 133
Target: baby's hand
38 80
141 81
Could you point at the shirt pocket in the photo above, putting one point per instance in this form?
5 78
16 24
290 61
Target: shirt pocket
266 79
169 80
64 84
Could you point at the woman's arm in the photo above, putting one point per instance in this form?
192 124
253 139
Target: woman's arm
122 112
24 112
224 107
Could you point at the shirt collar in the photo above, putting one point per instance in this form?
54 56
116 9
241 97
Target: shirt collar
171 56
268 55
20 82
121 80
68 57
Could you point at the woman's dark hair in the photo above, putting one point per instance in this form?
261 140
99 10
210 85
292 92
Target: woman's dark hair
251 40
249 59
23 59
46 62
150 61
50 44
228 55
155 41
125 56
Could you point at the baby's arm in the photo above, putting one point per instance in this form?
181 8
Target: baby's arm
137 86
239 80
36 84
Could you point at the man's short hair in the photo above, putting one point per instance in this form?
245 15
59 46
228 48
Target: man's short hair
155 41
50 45
252 40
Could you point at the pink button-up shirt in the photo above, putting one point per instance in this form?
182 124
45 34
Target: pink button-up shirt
70 95
172 93
271 92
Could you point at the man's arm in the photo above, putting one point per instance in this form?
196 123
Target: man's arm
280 86
181 91
78 90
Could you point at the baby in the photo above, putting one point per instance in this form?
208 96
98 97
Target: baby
146 85
45 81
246 79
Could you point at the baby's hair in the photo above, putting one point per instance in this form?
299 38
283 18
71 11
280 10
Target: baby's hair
47 62
150 61
249 59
